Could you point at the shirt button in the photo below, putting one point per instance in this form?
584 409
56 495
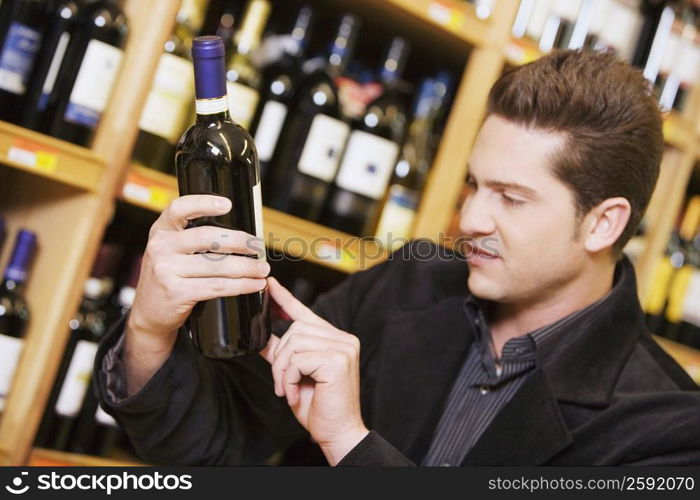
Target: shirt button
483 390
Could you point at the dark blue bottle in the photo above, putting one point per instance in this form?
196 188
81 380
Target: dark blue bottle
14 312
218 157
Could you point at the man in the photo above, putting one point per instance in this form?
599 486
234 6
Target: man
532 352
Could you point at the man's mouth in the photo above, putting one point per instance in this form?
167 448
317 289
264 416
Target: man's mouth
476 253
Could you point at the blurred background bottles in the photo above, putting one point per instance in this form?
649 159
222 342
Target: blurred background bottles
168 105
14 310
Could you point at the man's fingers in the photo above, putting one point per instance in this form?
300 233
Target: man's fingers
216 240
301 343
199 289
301 364
219 265
268 351
293 307
183 209
323 331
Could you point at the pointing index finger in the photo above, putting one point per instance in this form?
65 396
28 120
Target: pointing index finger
293 307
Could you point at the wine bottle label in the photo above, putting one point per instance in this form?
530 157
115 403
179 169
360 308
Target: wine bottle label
77 380
53 69
622 26
539 15
168 101
676 298
242 103
663 273
323 147
269 128
367 164
258 207
94 83
398 214
104 418
10 350
691 304
19 53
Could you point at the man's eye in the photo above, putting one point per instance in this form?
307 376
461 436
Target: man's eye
512 201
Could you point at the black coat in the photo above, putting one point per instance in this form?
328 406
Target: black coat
612 396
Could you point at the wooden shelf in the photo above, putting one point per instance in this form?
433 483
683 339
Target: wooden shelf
521 51
49 157
686 356
41 457
295 237
677 131
459 19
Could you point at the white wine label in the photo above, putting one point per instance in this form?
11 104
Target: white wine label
10 351
688 63
538 17
691 303
18 55
77 380
258 207
211 106
323 147
242 103
53 69
269 128
398 214
94 83
622 26
367 164
168 101
104 418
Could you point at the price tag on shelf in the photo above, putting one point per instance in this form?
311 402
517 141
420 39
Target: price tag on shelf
144 192
445 15
160 198
32 154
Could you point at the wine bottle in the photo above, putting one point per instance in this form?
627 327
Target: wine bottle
170 99
63 24
559 25
218 157
399 209
86 329
7 8
689 328
371 153
243 78
14 311
652 30
280 79
18 55
95 431
666 268
313 138
683 271
88 73
685 61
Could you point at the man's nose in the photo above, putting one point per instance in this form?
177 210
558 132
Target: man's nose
476 219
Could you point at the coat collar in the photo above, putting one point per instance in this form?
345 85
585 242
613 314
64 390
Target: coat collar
424 346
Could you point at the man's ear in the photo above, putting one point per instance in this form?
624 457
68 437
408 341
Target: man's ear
605 223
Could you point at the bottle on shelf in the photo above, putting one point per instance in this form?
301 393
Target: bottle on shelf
280 78
314 134
657 19
87 74
218 156
14 310
689 329
169 101
559 26
371 152
26 29
63 24
411 171
95 431
680 67
664 306
74 374
125 298
243 78
7 9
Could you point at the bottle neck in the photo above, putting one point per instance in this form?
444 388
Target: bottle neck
210 87
212 110
248 37
394 63
343 45
301 32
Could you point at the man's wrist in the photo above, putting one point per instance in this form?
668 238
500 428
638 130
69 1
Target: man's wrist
335 451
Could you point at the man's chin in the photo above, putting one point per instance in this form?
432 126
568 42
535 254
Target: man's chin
483 288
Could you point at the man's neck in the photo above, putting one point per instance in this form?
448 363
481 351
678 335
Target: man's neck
510 320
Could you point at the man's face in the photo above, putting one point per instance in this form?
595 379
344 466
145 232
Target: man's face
518 211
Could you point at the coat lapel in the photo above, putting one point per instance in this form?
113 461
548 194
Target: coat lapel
530 427
422 352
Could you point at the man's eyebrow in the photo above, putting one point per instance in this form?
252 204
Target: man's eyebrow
527 191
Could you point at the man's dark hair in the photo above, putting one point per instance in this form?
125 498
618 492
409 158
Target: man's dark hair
606 110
